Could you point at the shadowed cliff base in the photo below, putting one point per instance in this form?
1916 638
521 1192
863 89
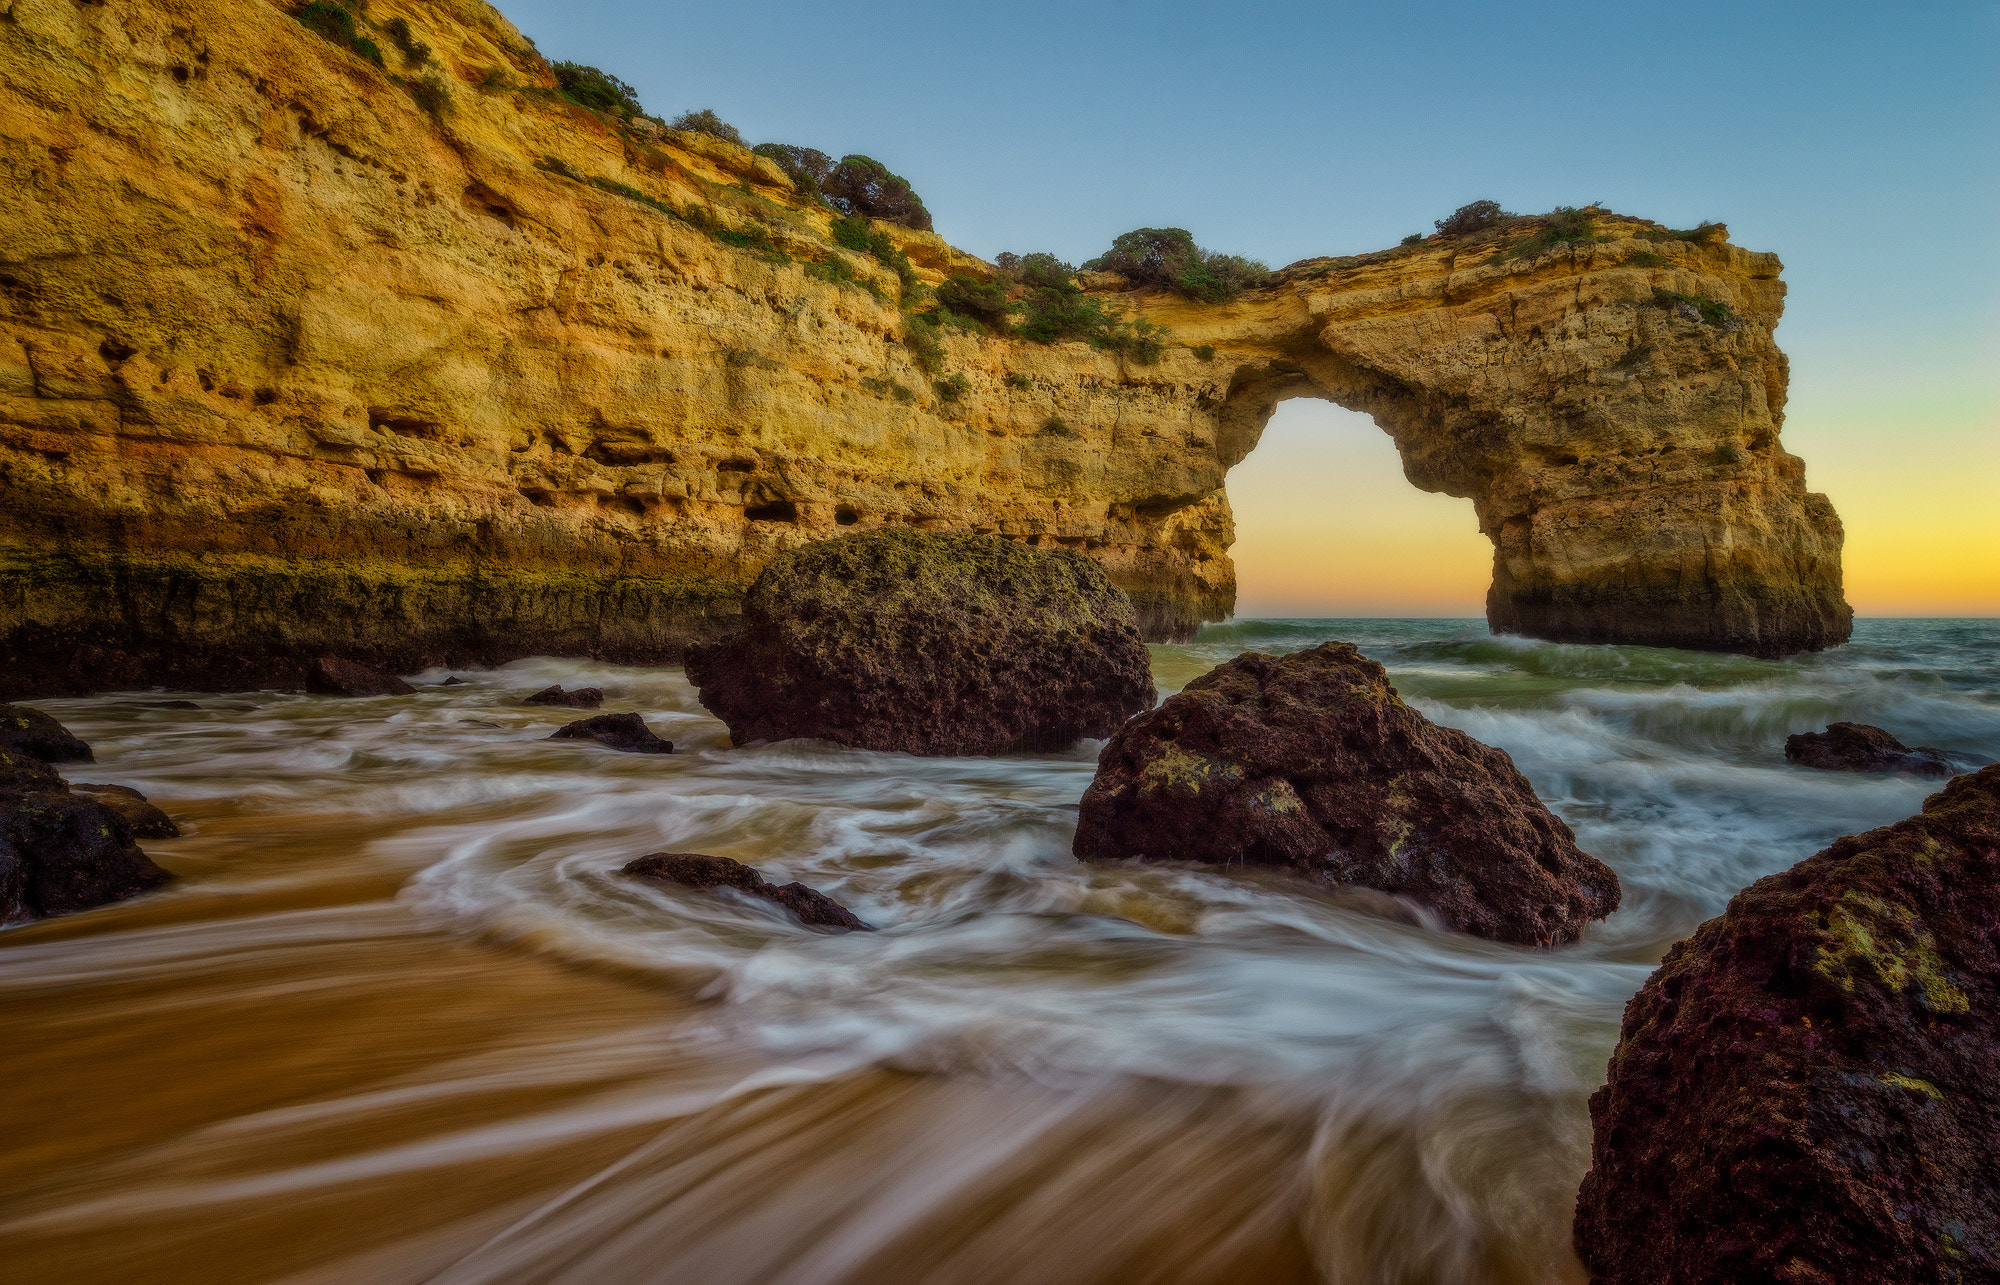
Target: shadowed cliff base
292 312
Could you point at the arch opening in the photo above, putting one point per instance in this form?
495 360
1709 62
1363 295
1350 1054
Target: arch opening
1328 525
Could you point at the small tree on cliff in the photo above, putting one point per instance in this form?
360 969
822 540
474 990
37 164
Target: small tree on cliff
807 167
707 122
1169 258
864 187
1476 216
598 90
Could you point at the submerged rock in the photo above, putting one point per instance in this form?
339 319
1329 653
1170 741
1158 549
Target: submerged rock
581 698
147 821
62 852
1859 747
453 681
1805 1091
697 870
931 644
31 732
332 676
627 732
1312 761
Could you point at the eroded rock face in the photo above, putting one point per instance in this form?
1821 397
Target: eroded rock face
627 732
332 676
33 733
1859 747
1805 1090
61 852
696 870
232 442
1312 761
898 640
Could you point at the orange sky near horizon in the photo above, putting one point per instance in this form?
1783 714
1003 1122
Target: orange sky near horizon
1326 524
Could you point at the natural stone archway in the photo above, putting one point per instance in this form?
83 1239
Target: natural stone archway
290 366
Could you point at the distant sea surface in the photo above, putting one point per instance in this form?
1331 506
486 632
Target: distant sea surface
401 1020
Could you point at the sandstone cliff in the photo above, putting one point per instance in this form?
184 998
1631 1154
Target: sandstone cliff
291 364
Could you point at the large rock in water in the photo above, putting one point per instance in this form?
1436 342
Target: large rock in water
1860 747
1312 761
1806 1090
934 644
31 732
699 870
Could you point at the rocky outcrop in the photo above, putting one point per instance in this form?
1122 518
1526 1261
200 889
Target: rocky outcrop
332 676
1312 761
146 820
929 644
695 870
33 733
1804 1091
296 361
581 698
61 852
626 732
1859 747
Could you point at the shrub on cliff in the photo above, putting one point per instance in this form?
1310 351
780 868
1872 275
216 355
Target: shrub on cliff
1054 309
1564 225
1168 258
855 233
1476 216
707 122
864 187
415 51
968 296
337 24
598 90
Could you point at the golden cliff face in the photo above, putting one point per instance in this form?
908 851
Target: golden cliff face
290 365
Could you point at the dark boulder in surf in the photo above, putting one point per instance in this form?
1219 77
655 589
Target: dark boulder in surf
31 732
1804 1091
581 698
332 676
147 821
1312 761
1858 747
697 870
626 732
929 644
62 852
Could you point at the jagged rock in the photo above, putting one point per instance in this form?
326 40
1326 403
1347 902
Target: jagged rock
931 644
147 821
627 732
1805 1090
1312 761
61 853
31 732
1859 747
332 676
581 698
696 870
453 681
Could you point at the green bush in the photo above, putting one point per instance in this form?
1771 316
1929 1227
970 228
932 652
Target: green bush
1018 380
337 24
1204 352
600 91
415 51
1054 309
926 347
1415 238
864 187
807 167
1168 258
1475 216
1646 259
1564 225
968 296
951 388
855 234
1696 307
706 121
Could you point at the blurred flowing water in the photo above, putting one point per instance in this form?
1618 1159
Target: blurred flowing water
401 1019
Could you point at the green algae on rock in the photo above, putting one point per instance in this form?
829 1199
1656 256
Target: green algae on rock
932 644
1804 1091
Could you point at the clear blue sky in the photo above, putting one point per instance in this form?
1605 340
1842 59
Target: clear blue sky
1859 141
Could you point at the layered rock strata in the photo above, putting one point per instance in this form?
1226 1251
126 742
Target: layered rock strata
929 644
1804 1091
1311 761
422 364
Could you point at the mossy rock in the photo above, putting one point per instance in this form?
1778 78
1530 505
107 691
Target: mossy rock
1805 1090
930 644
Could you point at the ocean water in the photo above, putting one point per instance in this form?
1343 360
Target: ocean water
401 1019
